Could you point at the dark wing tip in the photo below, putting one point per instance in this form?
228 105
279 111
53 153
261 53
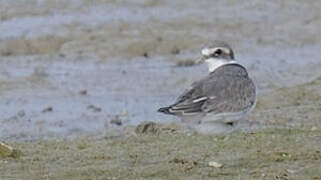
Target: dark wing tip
164 110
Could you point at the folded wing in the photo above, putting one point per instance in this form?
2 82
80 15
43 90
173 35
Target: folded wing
227 89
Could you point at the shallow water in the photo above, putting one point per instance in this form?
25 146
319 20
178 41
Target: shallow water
133 89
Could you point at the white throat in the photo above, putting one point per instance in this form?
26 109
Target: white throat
213 64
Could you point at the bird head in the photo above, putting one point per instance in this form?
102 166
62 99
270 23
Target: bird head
217 54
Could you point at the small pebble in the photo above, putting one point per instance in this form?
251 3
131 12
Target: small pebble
116 120
48 109
215 164
146 55
94 108
21 113
8 151
291 171
159 39
83 92
175 51
147 128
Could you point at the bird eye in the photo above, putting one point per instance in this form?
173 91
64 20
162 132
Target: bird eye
217 52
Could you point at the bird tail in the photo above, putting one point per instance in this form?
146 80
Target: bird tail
165 110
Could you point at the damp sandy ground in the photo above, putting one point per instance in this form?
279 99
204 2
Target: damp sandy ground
269 154
71 70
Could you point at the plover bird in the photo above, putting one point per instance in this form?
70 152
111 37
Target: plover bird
225 96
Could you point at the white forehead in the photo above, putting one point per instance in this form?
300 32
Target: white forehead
209 51
206 51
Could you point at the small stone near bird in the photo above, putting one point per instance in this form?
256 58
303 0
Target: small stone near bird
83 92
215 164
147 128
47 109
8 151
116 120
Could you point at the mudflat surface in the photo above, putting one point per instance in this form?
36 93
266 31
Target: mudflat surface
167 154
70 71
69 68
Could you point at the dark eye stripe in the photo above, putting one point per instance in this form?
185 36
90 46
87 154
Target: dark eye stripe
218 52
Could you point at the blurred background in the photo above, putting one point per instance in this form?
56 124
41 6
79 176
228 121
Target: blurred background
75 67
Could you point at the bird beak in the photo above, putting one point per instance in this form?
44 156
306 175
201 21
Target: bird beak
200 60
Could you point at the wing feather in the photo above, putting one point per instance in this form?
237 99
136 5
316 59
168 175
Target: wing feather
222 90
